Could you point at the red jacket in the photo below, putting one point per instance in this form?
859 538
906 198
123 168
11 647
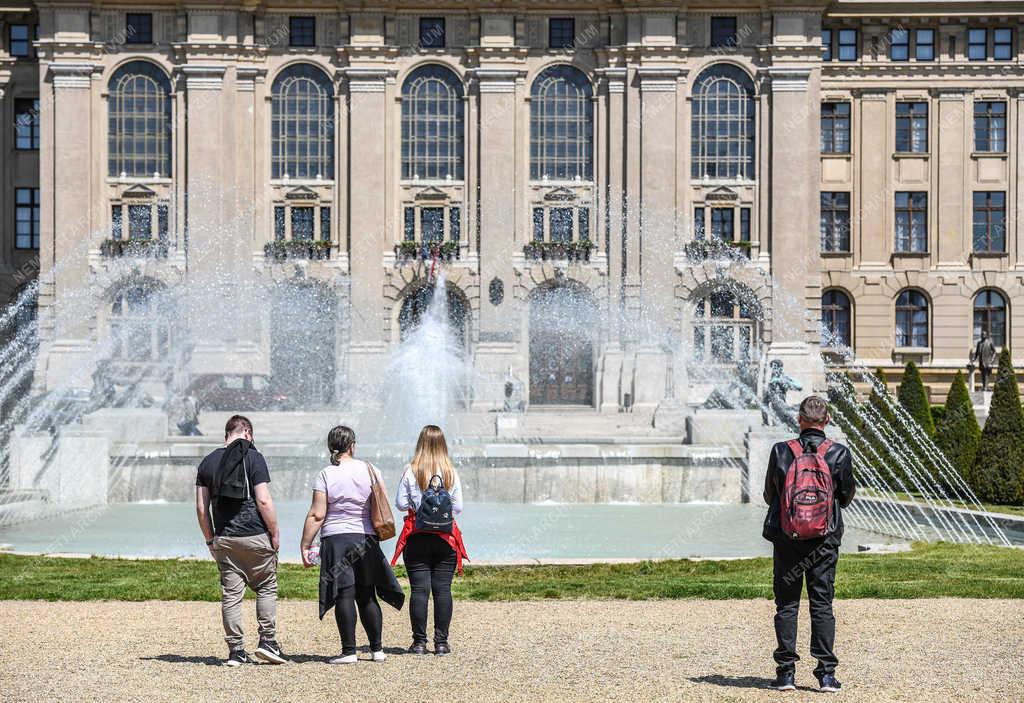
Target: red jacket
454 539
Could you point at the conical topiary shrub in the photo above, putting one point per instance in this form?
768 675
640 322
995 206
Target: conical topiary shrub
878 431
958 433
999 462
914 398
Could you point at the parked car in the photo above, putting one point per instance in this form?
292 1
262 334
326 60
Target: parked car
236 391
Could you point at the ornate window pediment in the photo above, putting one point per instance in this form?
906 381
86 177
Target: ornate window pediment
431 194
302 193
560 194
721 194
138 191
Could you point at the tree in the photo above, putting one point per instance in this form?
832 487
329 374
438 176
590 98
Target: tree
914 398
958 433
998 470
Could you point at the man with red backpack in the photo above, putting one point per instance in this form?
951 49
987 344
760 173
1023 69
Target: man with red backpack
808 483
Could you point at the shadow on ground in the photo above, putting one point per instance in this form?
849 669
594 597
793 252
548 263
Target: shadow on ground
292 658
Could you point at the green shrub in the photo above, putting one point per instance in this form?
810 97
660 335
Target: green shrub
999 462
938 412
913 396
957 432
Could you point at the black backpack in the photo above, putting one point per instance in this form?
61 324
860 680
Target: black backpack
435 511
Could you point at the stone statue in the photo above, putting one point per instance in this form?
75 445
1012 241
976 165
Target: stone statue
986 357
775 408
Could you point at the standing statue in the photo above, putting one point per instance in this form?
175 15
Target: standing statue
774 407
985 355
189 423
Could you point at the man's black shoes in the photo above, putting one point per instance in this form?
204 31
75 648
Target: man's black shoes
784 681
270 652
418 648
237 657
829 684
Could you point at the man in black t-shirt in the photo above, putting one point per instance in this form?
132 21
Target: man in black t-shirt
243 536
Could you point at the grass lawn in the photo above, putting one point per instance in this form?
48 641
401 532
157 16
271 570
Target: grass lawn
928 571
1015 510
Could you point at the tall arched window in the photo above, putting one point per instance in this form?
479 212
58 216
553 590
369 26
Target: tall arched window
835 319
990 317
725 328
139 125
561 125
723 123
140 322
302 117
911 319
432 124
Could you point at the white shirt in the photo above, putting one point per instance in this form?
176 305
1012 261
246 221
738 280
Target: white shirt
409 495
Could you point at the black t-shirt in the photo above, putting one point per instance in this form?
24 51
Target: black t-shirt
233 517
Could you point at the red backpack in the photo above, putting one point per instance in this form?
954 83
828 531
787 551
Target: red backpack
806 506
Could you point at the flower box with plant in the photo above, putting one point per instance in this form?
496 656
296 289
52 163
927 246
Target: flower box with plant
710 249
427 251
281 250
553 251
135 248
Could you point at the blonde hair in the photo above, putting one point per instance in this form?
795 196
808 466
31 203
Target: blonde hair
431 458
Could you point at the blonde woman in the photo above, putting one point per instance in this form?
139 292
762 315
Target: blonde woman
431 549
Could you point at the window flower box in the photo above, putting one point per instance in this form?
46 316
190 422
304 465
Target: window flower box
137 248
710 249
427 251
297 249
548 251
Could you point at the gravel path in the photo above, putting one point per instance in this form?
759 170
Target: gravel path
921 650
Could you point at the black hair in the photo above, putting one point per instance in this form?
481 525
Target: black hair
237 423
339 441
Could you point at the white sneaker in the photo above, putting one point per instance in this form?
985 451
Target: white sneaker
344 659
379 656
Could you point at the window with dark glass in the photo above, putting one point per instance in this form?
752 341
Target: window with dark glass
162 224
279 223
409 224
18 37
432 32
835 319
847 45
432 124
911 222
302 31
723 31
561 32
560 224
826 43
325 224
1002 44
924 44
911 320
912 127
139 28
139 122
432 224
116 228
561 125
835 222
302 124
899 44
26 123
977 44
26 218
990 317
990 222
725 331
723 124
990 126
744 224
454 223
140 221
722 224
698 222
302 223
583 223
835 128
538 224
139 323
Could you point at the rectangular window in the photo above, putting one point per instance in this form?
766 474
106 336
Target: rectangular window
561 224
583 224
990 126
432 224
302 31
698 222
723 31
744 224
140 221
722 223
977 44
19 42
911 222
279 223
990 222
899 45
162 224
826 44
325 224
1002 44
26 123
432 32
912 128
924 44
454 223
139 28
847 44
26 218
538 224
409 224
116 229
835 128
835 222
302 224
561 32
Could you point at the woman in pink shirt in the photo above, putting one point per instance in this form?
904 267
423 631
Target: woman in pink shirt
353 569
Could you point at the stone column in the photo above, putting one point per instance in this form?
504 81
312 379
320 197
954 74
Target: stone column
952 191
795 177
871 200
1015 198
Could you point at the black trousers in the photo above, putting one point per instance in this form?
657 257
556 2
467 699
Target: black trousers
430 563
795 563
364 598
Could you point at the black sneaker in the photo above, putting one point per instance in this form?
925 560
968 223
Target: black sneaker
237 657
418 648
784 681
442 649
829 683
270 652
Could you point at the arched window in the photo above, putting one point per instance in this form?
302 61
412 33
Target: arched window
139 323
835 319
432 124
139 127
302 118
725 328
990 317
561 126
723 123
911 319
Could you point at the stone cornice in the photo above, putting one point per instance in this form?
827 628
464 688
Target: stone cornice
497 80
203 76
659 79
367 79
73 74
788 79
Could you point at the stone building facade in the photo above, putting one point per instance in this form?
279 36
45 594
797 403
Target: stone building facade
605 184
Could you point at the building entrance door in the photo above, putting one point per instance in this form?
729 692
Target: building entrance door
562 328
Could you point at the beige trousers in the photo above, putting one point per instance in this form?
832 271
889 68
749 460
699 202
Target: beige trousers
252 562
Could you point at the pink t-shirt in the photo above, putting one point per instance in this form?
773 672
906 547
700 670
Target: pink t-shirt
347 486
